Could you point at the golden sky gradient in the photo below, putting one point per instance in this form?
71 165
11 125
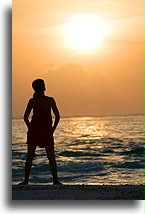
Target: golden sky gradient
99 74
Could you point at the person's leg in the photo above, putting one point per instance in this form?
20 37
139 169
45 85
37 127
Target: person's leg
52 162
28 164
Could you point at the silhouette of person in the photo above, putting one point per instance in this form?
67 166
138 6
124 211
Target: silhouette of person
40 129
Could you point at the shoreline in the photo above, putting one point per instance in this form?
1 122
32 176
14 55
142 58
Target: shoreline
78 192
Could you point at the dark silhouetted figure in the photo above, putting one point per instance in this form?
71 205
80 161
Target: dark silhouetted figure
40 129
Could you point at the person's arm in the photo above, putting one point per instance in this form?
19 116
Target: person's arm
27 112
56 113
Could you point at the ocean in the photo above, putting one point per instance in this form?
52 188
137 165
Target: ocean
105 150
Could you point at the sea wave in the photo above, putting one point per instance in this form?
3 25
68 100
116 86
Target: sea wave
105 149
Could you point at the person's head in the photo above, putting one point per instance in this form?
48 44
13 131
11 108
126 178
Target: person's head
39 87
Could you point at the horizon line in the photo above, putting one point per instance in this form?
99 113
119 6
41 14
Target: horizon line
105 115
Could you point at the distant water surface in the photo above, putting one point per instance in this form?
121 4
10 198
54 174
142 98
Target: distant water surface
89 150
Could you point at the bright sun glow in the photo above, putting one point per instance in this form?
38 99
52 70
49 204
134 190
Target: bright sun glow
85 33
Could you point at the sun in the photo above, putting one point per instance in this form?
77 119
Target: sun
85 33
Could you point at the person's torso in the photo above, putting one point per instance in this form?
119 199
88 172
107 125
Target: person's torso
42 110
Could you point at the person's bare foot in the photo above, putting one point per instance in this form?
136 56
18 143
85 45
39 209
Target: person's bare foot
23 183
57 183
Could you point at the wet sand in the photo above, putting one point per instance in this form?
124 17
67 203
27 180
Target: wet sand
78 192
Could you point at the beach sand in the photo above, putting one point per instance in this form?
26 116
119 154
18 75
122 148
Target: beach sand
77 192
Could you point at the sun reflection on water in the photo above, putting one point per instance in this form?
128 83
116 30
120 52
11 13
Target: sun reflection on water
92 150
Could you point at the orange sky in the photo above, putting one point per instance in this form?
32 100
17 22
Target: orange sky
105 81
